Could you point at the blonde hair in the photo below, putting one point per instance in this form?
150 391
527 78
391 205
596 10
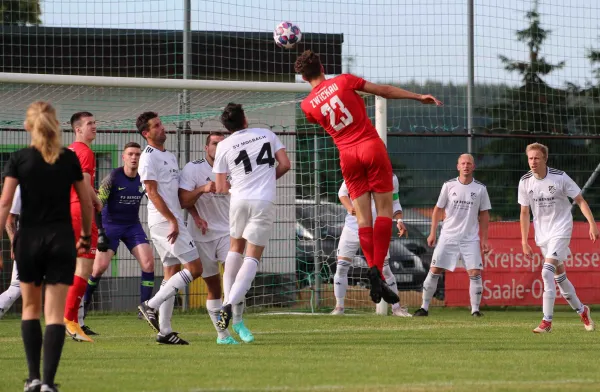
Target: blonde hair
45 132
538 147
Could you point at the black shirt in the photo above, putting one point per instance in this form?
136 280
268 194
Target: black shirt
45 188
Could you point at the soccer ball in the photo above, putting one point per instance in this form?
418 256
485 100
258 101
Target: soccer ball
287 34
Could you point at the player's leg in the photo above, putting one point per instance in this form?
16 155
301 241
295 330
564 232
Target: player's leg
60 265
136 241
390 280
255 221
54 334
212 278
445 256
471 256
548 297
101 263
223 252
347 248
374 158
31 332
12 293
165 310
83 269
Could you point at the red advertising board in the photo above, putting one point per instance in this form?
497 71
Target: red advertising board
510 279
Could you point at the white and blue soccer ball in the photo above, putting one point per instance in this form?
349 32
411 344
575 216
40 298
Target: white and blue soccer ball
287 34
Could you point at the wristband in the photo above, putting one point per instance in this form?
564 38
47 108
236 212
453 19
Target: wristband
85 237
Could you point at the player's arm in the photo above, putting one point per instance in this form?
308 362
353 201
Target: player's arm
156 199
436 217
96 203
82 188
484 223
525 223
187 198
221 184
587 212
392 92
105 189
11 226
198 221
347 203
283 163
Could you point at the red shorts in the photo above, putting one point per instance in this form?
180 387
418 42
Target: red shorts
76 222
366 167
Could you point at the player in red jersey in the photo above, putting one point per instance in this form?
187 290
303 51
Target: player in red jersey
84 126
340 110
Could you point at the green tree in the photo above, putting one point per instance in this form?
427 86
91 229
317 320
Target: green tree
534 107
20 12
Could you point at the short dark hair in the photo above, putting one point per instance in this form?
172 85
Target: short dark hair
78 116
233 117
132 145
308 65
141 123
210 135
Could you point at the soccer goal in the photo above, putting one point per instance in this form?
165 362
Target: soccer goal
300 259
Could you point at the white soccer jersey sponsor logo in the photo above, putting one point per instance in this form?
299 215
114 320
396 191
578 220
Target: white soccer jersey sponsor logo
351 222
462 204
212 207
249 156
162 167
548 199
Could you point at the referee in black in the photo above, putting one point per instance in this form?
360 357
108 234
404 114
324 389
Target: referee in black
45 243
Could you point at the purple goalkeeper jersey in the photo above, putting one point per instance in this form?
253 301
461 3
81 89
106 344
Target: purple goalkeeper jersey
121 197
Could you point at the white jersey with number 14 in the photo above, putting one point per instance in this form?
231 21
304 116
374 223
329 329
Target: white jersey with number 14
249 156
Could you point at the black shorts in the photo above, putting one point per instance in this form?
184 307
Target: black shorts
46 254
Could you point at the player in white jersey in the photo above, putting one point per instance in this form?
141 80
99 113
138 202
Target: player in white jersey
466 204
249 156
197 194
159 173
546 192
13 292
349 244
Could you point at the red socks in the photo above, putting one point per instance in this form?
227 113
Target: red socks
382 234
74 296
365 236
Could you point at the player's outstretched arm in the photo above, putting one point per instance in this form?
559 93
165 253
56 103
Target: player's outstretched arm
283 163
525 222
392 92
587 212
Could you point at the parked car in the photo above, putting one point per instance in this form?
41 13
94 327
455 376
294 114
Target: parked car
318 229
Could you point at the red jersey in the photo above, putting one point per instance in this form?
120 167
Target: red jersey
87 162
340 110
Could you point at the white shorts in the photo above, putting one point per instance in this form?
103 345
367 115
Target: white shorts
181 252
251 220
349 244
211 253
557 249
447 253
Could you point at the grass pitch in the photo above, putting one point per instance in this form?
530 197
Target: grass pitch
447 351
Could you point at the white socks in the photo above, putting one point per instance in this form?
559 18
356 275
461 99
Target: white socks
165 313
243 281
213 306
549 291
475 292
233 263
429 287
176 282
80 312
568 292
340 282
390 280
